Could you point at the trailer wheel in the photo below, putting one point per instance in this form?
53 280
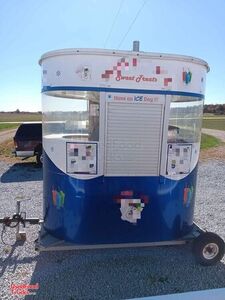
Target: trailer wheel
208 248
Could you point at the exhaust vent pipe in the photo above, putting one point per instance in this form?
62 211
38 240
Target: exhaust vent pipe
136 46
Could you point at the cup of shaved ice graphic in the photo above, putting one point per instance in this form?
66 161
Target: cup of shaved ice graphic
54 196
62 198
58 198
188 193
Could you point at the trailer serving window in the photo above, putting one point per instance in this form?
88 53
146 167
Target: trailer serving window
72 114
185 120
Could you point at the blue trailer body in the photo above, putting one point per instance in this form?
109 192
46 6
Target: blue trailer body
90 213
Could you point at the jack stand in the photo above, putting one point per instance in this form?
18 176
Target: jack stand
18 221
20 232
21 235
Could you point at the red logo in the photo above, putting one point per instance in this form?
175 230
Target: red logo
122 64
23 289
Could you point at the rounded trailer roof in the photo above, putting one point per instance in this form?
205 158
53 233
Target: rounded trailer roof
101 52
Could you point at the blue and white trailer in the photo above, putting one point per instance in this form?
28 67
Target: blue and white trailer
121 141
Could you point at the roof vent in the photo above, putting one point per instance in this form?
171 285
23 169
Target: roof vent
136 45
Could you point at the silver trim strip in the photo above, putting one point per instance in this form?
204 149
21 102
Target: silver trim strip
24 153
57 246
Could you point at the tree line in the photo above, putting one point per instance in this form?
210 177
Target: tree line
217 109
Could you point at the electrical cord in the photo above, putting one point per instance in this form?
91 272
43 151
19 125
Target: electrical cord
132 23
8 222
113 23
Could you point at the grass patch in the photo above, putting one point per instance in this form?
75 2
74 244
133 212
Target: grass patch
208 141
8 126
6 148
213 116
214 123
20 117
6 153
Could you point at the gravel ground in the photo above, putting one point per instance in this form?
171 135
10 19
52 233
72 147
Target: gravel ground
106 274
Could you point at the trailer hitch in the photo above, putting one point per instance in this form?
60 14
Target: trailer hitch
15 221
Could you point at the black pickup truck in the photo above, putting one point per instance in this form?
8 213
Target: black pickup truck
28 141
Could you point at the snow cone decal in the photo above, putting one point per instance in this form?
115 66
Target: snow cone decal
131 206
186 76
58 198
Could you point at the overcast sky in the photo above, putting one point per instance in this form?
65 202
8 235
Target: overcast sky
29 28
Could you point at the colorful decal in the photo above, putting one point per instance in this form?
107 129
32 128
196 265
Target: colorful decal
122 63
84 72
58 198
131 205
186 76
188 195
159 70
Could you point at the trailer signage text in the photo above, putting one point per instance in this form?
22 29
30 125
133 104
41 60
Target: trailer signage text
136 78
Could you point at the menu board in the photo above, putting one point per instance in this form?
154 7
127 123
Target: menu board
81 158
178 159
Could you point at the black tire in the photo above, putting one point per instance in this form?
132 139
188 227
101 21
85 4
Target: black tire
208 248
39 159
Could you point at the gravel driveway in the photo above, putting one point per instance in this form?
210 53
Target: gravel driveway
107 274
220 134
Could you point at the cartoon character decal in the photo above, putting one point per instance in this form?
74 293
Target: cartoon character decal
188 195
131 206
58 198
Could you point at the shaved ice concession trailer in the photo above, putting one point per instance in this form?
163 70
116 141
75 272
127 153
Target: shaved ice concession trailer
121 142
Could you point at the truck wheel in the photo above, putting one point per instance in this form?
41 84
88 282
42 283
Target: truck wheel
208 248
39 159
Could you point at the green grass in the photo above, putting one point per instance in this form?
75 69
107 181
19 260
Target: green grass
208 141
6 152
214 123
8 126
19 117
208 115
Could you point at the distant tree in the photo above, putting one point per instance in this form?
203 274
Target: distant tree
218 109
17 111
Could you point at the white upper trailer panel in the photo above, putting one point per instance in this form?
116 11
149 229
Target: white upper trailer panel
108 69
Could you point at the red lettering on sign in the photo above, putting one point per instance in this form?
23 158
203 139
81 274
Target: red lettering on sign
137 78
120 98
